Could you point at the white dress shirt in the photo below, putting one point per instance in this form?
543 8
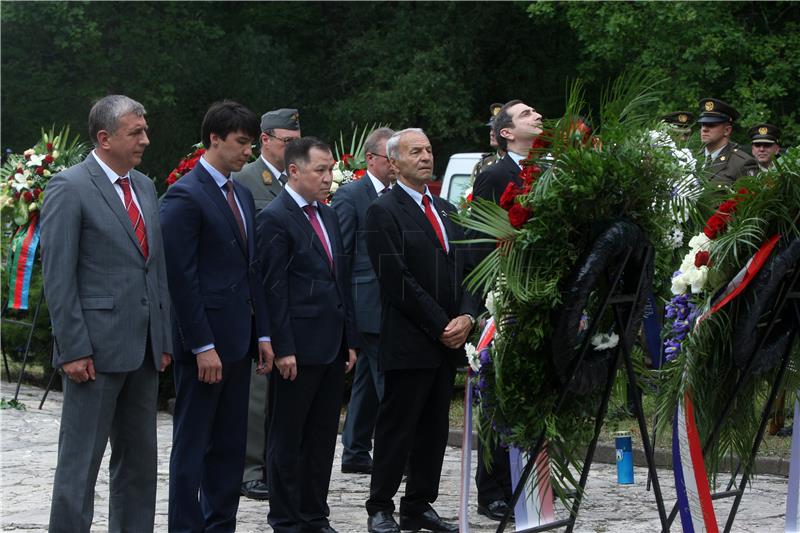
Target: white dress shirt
417 197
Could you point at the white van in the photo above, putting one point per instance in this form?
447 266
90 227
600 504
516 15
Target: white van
457 177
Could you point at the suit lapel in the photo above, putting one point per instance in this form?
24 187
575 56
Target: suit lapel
248 216
369 190
109 194
512 169
415 213
216 195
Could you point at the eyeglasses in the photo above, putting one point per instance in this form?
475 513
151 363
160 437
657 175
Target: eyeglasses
284 140
379 155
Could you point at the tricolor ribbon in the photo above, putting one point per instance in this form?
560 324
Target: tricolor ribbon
20 263
793 494
466 439
535 505
691 482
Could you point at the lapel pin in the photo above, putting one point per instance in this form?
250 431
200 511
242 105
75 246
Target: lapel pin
444 213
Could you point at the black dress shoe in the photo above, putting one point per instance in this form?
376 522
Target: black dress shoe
357 468
495 510
327 529
428 520
255 490
382 522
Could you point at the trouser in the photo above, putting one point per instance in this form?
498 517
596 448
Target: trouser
362 410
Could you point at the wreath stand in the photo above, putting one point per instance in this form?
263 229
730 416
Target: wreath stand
623 306
787 301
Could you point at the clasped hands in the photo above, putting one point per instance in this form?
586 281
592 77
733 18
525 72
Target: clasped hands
456 332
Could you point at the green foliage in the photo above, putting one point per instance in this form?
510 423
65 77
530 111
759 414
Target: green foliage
12 404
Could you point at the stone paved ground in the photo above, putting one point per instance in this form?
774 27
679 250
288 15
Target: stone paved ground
28 443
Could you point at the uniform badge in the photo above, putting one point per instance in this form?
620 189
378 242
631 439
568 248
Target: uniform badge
683 118
722 158
709 106
267 177
762 130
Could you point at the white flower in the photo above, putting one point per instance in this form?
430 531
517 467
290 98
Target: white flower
338 177
472 357
679 284
697 278
20 182
334 187
55 154
699 242
489 303
605 341
33 206
675 237
36 160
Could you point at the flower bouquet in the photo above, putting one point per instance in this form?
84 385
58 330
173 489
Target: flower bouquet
186 164
351 162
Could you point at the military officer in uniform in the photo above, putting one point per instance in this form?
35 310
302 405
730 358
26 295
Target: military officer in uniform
723 161
765 144
680 125
490 158
264 178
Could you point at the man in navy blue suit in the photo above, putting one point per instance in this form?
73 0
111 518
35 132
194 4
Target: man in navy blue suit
313 334
351 203
220 318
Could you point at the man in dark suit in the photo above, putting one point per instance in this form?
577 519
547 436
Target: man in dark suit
264 177
220 319
106 287
515 125
426 317
351 203
723 161
308 293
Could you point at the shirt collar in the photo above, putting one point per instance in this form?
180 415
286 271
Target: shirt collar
219 178
417 197
715 153
299 200
275 172
379 186
112 176
516 158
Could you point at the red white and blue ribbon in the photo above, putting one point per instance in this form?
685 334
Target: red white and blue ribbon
793 494
691 482
535 505
20 261
466 439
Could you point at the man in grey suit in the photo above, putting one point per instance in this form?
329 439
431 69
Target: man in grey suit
264 178
351 203
106 286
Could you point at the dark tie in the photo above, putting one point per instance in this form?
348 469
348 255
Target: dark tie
709 160
134 215
432 219
384 191
282 178
311 211
234 208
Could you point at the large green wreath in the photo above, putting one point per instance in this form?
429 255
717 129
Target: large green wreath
580 185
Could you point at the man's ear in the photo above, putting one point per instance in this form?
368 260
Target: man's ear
102 139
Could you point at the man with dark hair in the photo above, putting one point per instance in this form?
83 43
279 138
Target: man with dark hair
264 177
307 289
351 203
106 287
723 160
515 127
426 317
220 320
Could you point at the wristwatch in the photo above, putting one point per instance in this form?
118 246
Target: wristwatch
471 319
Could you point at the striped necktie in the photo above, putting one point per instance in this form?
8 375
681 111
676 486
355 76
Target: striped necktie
134 215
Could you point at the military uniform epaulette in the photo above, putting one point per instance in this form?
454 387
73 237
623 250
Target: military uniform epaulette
731 164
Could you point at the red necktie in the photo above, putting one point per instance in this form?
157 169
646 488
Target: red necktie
235 208
311 211
432 219
134 215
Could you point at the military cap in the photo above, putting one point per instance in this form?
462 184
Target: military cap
681 119
285 119
713 111
764 133
494 109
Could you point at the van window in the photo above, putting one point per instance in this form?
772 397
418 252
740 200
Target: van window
459 183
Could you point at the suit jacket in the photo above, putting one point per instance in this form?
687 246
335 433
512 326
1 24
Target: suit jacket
260 181
311 313
492 181
214 275
421 284
731 164
104 297
351 203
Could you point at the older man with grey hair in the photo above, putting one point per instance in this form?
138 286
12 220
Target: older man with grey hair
106 286
426 318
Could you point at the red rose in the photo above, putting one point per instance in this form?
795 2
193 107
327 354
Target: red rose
27 196
469 197
518 215
347 158
701 258
37 192
529 174
714 226
16 195
27 157
359 173
49 147
173 177
199 152
727 206
48 159
507 198
40 171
